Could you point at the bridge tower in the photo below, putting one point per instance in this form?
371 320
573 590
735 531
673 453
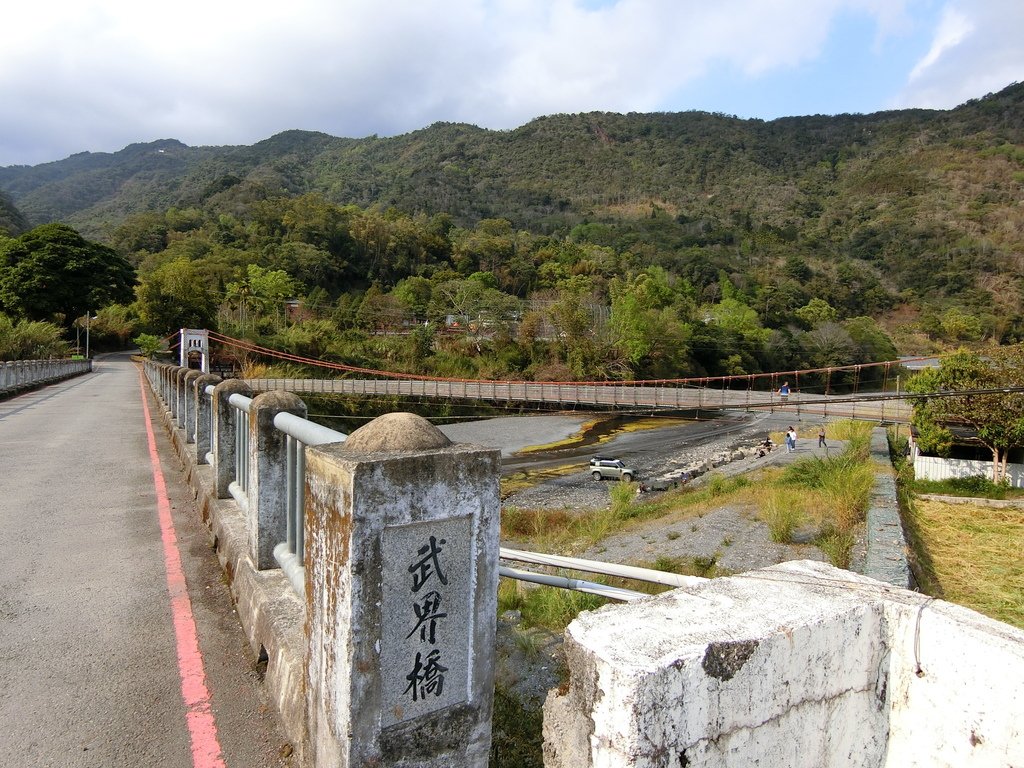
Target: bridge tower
195 341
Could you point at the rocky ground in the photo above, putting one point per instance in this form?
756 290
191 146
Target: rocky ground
731 536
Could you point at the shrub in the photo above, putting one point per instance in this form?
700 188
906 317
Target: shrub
30 340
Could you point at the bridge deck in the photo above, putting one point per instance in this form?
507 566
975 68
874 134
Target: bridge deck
88 659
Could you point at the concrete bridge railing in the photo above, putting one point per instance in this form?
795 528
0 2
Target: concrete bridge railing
364 569
17 375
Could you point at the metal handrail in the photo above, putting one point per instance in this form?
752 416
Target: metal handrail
578 585
300 433
597 566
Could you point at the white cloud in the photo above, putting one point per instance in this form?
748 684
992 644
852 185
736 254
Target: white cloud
98 74
976 49
953 28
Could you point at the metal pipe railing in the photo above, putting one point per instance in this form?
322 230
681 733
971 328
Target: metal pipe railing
578 585
300 434
608 569
239 488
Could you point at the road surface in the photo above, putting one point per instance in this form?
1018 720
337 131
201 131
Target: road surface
89 652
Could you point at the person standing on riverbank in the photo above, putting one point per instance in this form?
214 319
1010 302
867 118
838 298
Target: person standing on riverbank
821 437
790 440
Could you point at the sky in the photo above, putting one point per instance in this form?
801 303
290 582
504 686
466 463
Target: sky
97 75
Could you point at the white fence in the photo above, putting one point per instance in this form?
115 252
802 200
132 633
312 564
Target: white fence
934 468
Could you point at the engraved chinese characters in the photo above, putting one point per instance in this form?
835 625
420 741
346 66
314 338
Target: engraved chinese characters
427 676
427 617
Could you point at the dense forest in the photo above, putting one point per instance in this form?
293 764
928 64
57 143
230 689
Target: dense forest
590 246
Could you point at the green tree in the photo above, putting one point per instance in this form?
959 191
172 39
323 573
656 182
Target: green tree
148 344
998 418
52 272
257 291
175 296
816 312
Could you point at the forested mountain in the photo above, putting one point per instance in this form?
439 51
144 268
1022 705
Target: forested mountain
693 228
11 219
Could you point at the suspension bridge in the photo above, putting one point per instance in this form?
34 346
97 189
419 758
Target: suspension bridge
869 391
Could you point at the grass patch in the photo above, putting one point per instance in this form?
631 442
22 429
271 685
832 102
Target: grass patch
520 481
783 510
568 533
829 493
976 486
548 607
970 555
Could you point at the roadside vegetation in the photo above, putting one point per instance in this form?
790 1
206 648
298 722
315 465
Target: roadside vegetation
821 500
969 554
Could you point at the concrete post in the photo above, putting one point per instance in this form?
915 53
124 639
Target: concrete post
167 391
204 415
401 574
179 396
224 433
268 475
189 424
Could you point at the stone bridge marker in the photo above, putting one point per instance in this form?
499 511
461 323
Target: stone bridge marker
401 584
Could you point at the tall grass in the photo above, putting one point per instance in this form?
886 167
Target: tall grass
830 493
970 555
564 532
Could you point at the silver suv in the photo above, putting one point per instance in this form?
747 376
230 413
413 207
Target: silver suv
602 467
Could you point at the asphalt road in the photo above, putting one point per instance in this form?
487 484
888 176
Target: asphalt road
88 659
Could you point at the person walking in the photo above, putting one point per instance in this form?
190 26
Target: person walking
790 440
821 437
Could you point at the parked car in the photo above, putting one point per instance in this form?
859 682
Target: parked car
602 467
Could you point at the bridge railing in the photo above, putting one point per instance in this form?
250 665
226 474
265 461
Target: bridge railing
218 417
16 375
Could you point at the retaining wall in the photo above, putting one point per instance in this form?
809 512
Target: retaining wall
886 558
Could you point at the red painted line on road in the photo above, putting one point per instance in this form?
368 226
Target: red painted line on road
202 727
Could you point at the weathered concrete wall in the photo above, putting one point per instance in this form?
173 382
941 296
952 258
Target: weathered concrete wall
800 664
18 375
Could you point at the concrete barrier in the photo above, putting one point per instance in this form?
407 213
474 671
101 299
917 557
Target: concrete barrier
886 558
19 375
801 664
354 683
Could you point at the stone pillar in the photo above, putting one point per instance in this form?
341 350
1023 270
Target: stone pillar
401 572
204 415
224 439
268 475
189 402
179 396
